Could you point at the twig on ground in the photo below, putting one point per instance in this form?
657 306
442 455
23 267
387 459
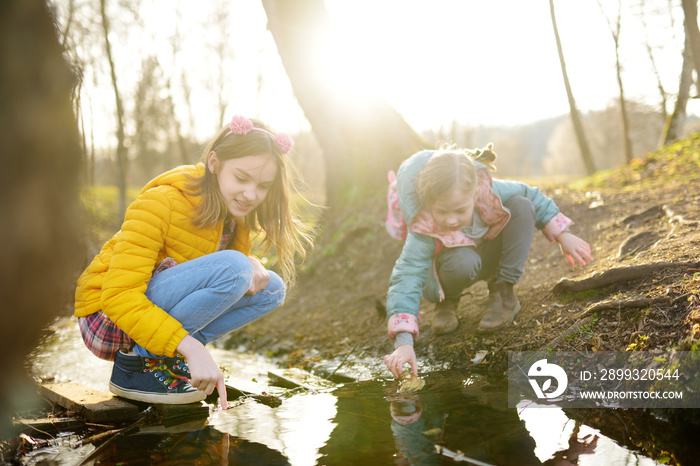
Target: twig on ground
343 361
112 436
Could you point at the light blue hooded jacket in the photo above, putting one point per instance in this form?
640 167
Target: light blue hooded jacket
413 276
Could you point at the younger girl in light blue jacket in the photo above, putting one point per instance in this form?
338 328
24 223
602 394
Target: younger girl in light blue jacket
462 226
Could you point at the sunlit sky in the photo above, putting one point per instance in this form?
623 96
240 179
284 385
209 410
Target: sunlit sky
476 62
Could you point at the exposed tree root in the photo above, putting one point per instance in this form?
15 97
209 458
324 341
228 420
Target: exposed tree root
636 243
675 218
645 239
641 217
616 275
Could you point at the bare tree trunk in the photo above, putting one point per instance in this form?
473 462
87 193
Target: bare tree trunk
623 111
615 32
674 122
650 52
91 153
83 139
69 22
121 148
181 142
575 118
690 11
222 49
39 204
187 93
361 139
78 66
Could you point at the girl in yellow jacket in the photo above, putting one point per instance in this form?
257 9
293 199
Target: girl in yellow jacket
179 273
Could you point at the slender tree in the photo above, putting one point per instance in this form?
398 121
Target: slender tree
674 122
121 146
690 20
222 54
176 125
573 111
652 60
615 30
361 137
152 122
187 98
67 30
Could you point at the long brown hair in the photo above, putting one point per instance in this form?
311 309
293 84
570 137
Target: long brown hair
276 217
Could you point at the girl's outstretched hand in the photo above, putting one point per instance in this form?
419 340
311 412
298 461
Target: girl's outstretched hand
574 249
396 360
261 277
205 373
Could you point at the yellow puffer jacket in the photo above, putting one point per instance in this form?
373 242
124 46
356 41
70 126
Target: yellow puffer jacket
157 225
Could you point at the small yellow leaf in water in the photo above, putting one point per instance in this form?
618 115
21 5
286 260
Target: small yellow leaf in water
409 383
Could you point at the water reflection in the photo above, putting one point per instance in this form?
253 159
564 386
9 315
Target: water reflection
298 428
456 418
459 418
565 441
450 420
208 446
365 424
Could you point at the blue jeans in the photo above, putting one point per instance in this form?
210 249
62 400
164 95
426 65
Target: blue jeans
501 259
208 296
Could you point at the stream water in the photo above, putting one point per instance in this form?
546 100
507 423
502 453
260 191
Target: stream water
456 418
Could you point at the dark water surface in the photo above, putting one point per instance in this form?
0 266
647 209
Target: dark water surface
456 418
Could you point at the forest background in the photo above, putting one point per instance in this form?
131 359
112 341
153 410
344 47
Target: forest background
563 89
362 85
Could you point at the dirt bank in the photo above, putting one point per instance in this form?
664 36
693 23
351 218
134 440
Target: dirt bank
642 214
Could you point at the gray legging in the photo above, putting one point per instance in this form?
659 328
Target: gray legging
502 258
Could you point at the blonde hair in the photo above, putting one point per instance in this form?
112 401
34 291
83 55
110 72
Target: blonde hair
277 216
447 170
451 168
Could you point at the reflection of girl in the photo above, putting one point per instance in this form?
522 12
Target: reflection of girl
463 227
577 447
409 430
179 273
431 428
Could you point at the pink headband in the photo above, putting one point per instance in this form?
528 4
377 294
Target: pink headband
242 125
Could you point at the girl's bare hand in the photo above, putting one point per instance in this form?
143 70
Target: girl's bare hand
261 277
205 373
396 360
575 249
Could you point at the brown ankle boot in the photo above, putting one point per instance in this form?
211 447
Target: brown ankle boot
445 316
502 307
